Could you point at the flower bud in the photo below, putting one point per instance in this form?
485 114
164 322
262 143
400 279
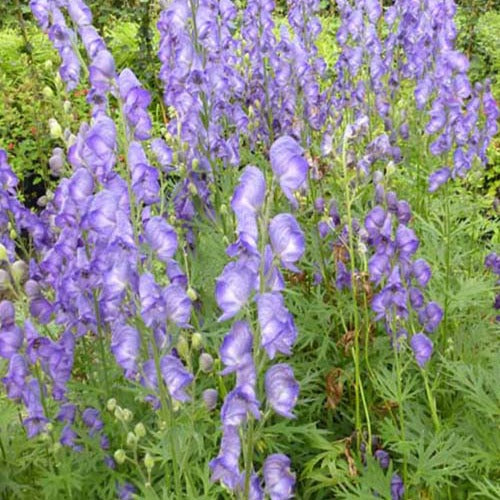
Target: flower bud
210 397
131 439
4 280
47 92
196 340
48 65
12 234
19 271
191 293
127 415
195 164
118 412
3 253
192 188
206 362
120 456
149 462
67 106
111 404
223 209
140 430
183 347
55 129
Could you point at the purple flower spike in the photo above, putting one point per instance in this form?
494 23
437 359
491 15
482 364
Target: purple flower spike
289 166
287 240
161 237
279 479
397 487
225 467
278 332
282 390
250 192
422 348
236 349
430 317
233 288
238 403
438 178
176 377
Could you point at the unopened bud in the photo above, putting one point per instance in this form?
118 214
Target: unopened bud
48 65
67 106
55 129
192 188
111 404
195 164
19 271
127 415
140 430
196 340
183 347
149 462
4 280
118 413
191 293
12 234
131 439
47 92
120 456
210 397
3 253
223 209
206 362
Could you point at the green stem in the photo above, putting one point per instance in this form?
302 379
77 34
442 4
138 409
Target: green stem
432 402
401 407
102 350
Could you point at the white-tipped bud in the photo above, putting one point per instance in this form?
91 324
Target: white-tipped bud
196 340
127 415
120 456
111 404
149 461
140 430
183 347
55 129
48 92
19 271
206 362
3 253
131 439
191 293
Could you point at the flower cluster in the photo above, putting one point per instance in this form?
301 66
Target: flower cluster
492 262
257 269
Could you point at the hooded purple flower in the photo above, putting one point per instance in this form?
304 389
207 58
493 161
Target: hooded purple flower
438 178
406 242
282 390
210 397
225 467
92 419
236 349
238 403
421 272
145 178
126 491
178 305
161 237
176 377
287 240
422 348
163 154
397 487
279 479
383 458
430 317
11 336
15 380
289 166
125 346
233 288
250 192
278 332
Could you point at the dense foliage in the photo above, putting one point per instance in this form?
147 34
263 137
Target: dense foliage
248 251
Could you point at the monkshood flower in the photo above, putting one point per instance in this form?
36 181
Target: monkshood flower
163 154
238 404
287 240
278 332
397 487
225 467
11 336
92 419
492 262
176 377
282 390
383 458
236 349
125 491
250 192
161 237
15 380
430 316
125 346
177 305
438 178
289 166
145 178
279 479
36 421
421 272
234 287
79 13
422 348
136 100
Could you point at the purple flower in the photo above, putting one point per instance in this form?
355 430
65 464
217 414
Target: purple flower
238 403
430 317
15 380
236 349
145 178
163 154
79 13
287 240
422 348
125 346
92 419
421 272
233 288
282 390
225 467
250 192
67 413
406 242
383 458
161 237
68 436
176 377
278 332
438 178
125 491
289 166
178 305
279 479
397 487
11 336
